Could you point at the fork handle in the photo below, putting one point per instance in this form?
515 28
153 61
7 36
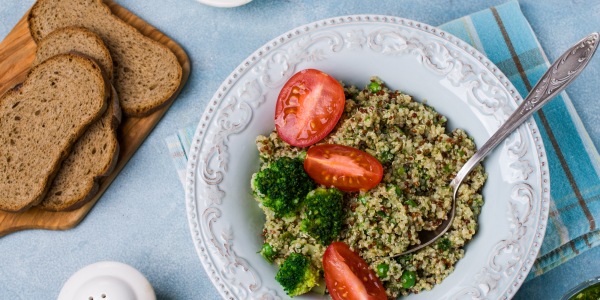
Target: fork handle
560 74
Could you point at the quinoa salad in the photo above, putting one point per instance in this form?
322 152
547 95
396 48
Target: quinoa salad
419 158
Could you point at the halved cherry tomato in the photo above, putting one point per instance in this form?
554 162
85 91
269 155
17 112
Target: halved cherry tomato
343 167
308 107
348 276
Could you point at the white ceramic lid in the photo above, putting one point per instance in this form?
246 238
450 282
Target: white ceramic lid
107 280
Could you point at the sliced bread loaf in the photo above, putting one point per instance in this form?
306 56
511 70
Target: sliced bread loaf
93 156
74 39
41 119
146 73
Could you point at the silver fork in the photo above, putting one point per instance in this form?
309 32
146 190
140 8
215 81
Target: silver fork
560 74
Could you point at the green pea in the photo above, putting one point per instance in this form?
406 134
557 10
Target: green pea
382 270
267 252
363 199
374 87
412 203
400 170
408 279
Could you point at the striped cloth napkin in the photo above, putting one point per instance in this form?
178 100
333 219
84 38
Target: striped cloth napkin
503 34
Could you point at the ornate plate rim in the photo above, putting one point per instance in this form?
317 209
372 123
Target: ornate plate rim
250 61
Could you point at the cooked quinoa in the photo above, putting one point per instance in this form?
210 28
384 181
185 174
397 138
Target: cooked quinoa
419 159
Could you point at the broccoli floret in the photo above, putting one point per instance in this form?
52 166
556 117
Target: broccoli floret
323 215
282 186
296 275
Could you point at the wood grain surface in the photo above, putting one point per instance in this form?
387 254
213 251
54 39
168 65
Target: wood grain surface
16 54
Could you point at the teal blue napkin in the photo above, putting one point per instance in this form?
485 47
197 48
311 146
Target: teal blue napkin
503 34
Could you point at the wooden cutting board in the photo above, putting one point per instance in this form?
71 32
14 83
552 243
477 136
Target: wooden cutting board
16 54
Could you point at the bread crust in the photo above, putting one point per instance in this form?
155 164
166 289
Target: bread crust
64 152
158 107
89 34
138 113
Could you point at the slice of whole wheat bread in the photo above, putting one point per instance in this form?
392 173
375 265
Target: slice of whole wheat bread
93 156
74 39
146 73
41 119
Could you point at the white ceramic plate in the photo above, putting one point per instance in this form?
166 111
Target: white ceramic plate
421 60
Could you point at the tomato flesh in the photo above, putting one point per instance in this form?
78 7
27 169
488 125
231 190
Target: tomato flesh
343 167
348 276
308 107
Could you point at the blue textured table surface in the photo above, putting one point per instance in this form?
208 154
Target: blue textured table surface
141 220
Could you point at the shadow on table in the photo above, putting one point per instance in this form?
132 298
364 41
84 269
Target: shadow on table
160 296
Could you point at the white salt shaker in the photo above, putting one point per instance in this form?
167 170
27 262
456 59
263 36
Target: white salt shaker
107 280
